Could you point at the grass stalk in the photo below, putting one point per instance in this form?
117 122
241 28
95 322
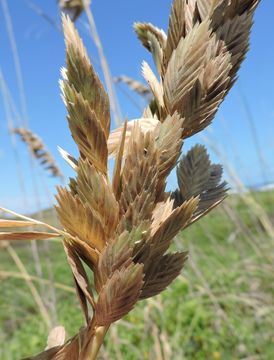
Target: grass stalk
16 60
12 274
35 294
96 342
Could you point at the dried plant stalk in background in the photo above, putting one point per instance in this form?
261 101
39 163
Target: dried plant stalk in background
134 85
122 229
38 150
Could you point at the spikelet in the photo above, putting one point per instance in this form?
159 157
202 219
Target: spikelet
146 124
39 151
88 210
73 8
197 176
123 230
154 39
198 62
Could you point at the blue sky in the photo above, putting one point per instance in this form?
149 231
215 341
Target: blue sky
41 50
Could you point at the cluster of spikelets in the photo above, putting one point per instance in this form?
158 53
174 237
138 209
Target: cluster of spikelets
38 150
122 227
73 8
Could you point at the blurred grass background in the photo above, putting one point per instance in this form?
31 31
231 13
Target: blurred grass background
221 307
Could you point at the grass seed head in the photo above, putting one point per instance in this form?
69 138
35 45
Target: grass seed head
123 230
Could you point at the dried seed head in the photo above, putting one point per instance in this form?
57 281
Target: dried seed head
123 230
134 85
73 8
39 151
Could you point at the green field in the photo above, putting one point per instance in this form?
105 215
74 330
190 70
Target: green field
221 307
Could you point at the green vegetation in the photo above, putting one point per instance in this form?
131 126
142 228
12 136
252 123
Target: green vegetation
221 307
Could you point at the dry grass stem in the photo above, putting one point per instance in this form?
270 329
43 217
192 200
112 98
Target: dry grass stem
37 298
10 274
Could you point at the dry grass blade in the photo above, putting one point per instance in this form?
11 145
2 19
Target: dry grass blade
31 235
15 223
34 221
39 151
